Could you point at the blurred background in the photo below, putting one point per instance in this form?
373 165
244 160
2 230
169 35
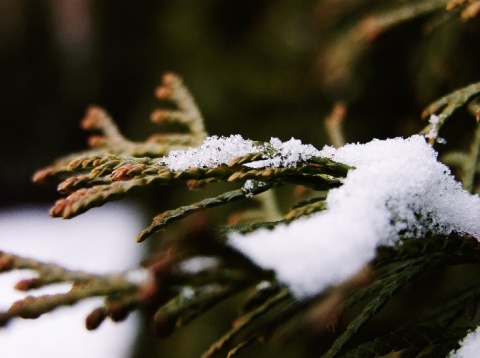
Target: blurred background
259 68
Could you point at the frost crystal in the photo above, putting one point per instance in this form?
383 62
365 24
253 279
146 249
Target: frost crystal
433 133
398 187
222 150
250 185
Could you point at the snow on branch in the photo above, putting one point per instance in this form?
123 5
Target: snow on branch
398 188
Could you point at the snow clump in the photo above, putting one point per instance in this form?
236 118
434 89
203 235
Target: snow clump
397 188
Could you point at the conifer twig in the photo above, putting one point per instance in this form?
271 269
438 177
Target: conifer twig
172 89
334 123
88 192
472 163
446 106
110 141
471 8
188 304
244 321
307 207
375 24
173 215
85 285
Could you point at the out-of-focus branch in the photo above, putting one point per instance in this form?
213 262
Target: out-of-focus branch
85 285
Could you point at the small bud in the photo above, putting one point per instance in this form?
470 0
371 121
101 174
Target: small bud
6 262
41 175
91 119
97 141
169 78
163 92
118 311
59 207
159 115
95 318
195 184
28 284
4 319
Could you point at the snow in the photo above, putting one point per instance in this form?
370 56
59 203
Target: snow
213 152
397 187
285 154
198 264
250 185
435 121
222 150
469 347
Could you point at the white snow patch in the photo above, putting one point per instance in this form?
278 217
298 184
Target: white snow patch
222 150
398 187
198 264
213 152
435 121
469 346
250 185
285 154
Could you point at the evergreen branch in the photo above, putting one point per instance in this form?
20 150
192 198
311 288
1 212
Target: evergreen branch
48 272
33 307
455 159
446 106
310 176
85 285
249 228
413 252
468 163
112 143
189 304
243 322
470 11
456 302
375 24
472 163
174 90
60 168
384 275
174 140
170 216
412 338
239 347
307 207
116 308
94 191
338 169
454 245
109 166
386 292
85 198
263 291
428 254
248 158
333 124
